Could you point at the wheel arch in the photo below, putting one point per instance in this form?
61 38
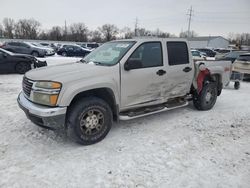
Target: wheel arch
104 93
35 52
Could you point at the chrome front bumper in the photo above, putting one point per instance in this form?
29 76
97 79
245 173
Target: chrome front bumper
47 117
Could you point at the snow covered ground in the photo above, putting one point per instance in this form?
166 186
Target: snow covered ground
179 148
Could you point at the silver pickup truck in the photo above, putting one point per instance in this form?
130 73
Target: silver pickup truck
120 80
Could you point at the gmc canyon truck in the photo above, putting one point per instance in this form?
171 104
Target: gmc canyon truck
120 80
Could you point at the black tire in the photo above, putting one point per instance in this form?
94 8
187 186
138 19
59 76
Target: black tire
87 115
22 67
219 88
237 85
207 97
64 54
34 53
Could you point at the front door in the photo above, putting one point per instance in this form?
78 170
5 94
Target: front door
142 86
5 66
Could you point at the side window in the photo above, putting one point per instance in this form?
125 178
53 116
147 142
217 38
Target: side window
77 48
177 53
69 47
13 44
23 45
149 54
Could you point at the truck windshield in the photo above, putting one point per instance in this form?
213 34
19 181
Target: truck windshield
109 53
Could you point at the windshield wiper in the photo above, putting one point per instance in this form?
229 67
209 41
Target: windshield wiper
83 61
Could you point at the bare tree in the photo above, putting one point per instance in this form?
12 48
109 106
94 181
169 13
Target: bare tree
126 33
95 36
184 34
9 25
78 32
56 33
27 29
239 39
43 35
1 31
109 31
144 32
161 34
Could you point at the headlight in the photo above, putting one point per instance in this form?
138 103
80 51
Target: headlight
48 85
46 93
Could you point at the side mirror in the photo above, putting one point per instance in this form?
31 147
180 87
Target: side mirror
132 64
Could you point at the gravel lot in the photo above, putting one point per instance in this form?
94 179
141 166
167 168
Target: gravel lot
179 148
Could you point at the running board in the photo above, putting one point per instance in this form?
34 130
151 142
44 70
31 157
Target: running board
127 117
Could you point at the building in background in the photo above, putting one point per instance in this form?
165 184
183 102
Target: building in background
208 42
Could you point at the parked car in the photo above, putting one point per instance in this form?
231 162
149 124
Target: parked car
73 50
209 52
49 51
18 63
50 45
120 80
242 65
222 50
197 55
24 48
89 45
231 56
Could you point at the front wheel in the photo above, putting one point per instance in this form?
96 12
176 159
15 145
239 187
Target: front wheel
206 99
89 120
22 67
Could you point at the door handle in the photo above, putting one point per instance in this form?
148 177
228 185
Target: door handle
187 69
161 72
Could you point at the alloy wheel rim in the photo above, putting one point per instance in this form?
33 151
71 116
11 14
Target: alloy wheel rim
92 122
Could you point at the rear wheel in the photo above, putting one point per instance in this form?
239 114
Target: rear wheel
64 54
22 67
206 99
89 120
34 53
237 85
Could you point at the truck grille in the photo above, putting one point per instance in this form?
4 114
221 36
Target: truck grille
27 85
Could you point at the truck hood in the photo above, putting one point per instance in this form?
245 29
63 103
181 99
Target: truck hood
68 72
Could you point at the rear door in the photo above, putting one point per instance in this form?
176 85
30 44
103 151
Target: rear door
180 70
24 48
70 50
14 47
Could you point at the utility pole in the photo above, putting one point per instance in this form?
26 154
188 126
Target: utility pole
65 29
136 27
190 14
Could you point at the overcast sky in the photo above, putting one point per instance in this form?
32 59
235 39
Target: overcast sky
211 17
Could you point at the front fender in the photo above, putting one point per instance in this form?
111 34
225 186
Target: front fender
68 93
